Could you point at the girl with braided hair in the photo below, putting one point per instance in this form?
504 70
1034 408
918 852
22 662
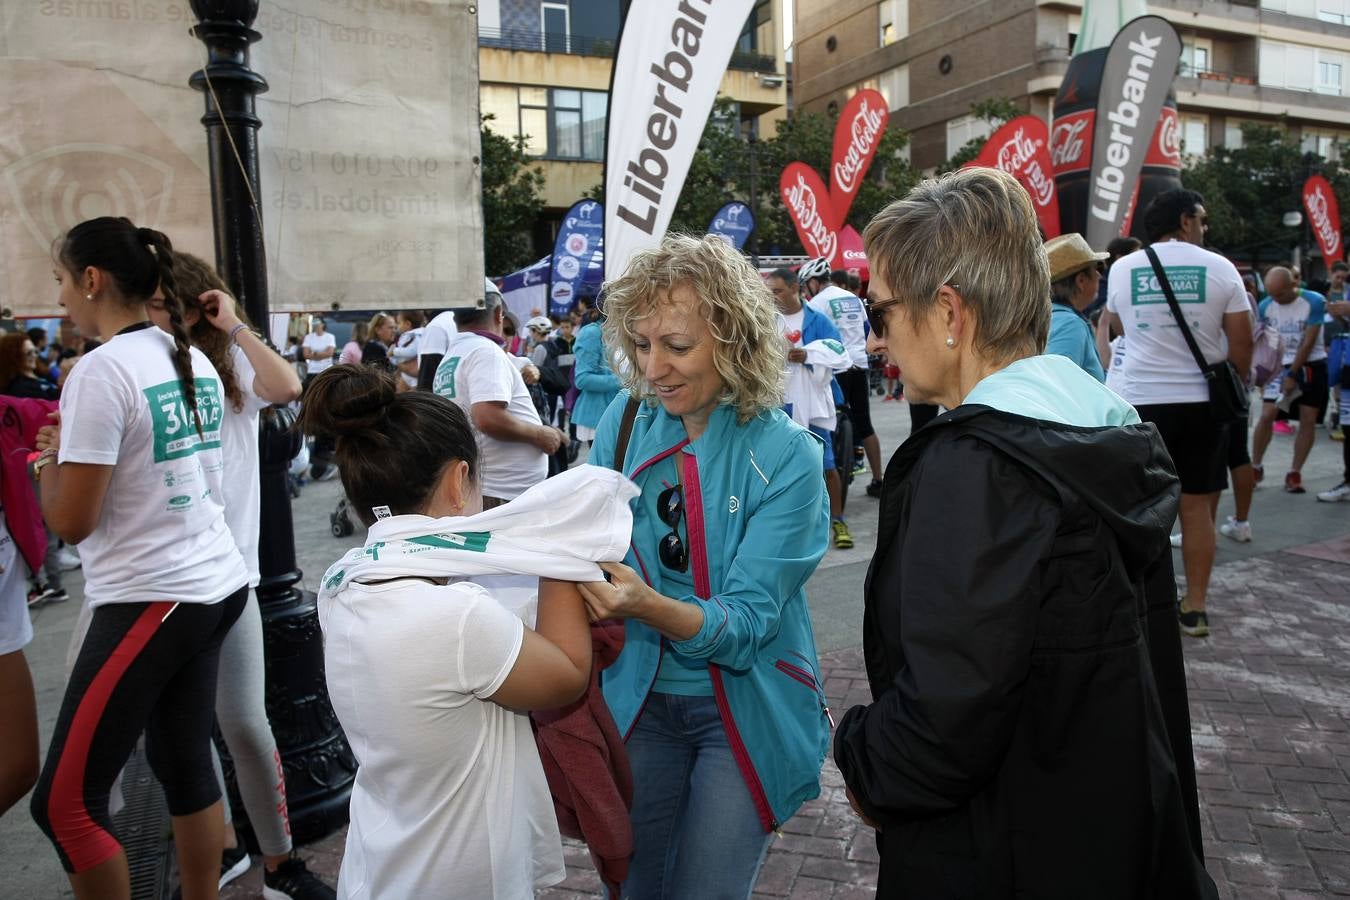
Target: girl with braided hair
254 377
131 470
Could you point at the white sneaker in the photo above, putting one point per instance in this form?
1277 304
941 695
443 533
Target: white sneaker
1175 540
1339 492
1238 531
67 559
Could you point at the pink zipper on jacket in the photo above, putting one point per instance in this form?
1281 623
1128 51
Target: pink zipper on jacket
661 648
698 556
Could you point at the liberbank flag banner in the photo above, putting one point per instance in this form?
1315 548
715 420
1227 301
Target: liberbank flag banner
666 73
369 192
1136 79
1324 215
1022 149
578 240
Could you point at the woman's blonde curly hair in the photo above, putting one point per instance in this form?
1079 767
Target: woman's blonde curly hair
749 353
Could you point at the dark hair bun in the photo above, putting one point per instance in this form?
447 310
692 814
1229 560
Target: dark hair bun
348 401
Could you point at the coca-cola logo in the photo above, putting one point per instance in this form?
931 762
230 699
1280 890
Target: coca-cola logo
1169 135
1016 153
855 255
1018 157
1040 185
1067 143
807 204
1328 233
864 135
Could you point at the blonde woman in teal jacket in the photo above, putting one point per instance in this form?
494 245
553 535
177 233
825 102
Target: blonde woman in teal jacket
717 691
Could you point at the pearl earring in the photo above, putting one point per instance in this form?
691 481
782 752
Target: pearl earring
89 297
951 341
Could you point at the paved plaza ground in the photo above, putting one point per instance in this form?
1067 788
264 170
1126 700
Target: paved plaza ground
1270 701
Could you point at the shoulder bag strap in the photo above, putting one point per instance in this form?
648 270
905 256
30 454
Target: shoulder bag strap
625 432
1176 310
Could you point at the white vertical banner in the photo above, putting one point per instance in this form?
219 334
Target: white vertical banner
369 146
667 71
369 153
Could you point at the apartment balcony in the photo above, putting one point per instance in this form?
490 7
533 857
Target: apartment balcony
1240 93
527 40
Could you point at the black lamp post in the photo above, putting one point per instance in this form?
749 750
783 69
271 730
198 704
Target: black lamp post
318 764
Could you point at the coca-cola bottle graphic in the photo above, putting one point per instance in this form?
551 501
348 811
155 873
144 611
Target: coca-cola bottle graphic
1071 147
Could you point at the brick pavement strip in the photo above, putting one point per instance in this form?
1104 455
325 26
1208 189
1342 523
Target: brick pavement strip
1270 707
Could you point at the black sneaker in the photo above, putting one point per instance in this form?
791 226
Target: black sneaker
53 595
874 489
1194 622
233 863
293 881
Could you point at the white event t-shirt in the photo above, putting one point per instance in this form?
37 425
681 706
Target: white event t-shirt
161 534
315 343
849 315
242 490
450 799
1159 367
476 370
436 336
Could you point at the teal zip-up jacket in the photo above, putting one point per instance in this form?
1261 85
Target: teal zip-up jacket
758 524
593 377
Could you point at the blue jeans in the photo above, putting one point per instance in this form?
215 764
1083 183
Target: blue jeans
695 829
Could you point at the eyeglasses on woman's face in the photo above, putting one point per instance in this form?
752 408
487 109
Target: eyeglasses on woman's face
876 311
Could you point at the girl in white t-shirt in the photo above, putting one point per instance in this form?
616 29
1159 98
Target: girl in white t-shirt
132 472
430 676
254 377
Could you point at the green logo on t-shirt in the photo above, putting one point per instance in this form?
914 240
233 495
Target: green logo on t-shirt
444 382
175 431
1188 284
475 541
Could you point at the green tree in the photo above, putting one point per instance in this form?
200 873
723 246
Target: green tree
1248 189
512 200
995 111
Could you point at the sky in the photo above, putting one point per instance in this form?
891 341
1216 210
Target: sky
787 24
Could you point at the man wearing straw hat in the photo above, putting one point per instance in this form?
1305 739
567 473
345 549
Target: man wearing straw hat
1075 272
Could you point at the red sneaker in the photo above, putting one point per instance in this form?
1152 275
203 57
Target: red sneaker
1283 427
1293 483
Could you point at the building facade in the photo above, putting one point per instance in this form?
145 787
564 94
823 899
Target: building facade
544 74
1271 61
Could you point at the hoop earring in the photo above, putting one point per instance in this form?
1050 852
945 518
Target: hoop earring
951 341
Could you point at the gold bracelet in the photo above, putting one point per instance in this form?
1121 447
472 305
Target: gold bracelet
45 457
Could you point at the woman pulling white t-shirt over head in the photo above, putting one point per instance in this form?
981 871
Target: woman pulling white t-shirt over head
430 673
132 472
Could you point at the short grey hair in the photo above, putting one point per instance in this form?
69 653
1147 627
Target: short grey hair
975 229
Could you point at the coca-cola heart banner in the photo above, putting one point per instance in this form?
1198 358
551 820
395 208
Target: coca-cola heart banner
856 138
1325 217
666 73
1022 149
818 211
808 203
